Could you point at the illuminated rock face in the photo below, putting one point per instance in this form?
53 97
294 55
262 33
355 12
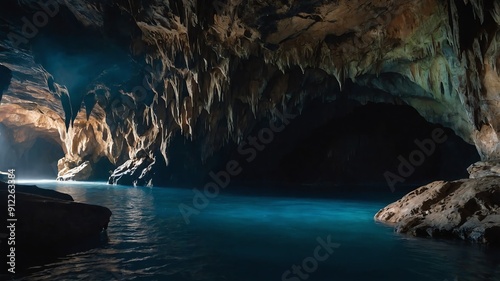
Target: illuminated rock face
466 209
484 169
151 72
82 172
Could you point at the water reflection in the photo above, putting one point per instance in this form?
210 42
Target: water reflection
460 260
254 238
144 244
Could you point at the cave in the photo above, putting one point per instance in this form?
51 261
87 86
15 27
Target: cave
250 140
360 147
349 143
35 158
40 161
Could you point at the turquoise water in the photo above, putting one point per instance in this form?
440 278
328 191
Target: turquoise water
240 237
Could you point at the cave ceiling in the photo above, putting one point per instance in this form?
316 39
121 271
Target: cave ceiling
120 79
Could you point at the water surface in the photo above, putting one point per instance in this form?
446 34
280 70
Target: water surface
256 238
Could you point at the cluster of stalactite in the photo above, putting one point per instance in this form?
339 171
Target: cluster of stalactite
211 70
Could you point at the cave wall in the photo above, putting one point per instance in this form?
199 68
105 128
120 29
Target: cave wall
123 80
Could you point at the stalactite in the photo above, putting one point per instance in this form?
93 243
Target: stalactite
478 9
477 51
495 12
494 52
455 27
192 66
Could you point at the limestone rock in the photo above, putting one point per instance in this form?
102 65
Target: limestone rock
211 71
484 169
465 209
134 172
79 173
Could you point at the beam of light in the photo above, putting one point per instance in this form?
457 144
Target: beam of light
52 182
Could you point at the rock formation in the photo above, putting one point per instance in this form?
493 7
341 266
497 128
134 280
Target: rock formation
466 209
207 73
50 224
81 172
483 169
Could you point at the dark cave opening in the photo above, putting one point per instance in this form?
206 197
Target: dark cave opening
102 169
5 77
40 161
369 142
33 158
346 143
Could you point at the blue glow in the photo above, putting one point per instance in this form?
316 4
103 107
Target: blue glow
255 238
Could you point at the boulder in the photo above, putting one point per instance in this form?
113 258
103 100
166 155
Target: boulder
48 224
466 209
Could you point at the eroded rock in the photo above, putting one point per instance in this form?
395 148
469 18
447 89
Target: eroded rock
484 169
466 209
134 172
80 173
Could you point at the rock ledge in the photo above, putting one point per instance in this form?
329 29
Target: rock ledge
466 209
49 224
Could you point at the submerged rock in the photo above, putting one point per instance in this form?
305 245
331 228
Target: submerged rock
467 209
48 224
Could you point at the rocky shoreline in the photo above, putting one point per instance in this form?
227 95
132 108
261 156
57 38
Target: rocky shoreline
48 224
467 209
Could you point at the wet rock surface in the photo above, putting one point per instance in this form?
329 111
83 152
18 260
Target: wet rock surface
466 209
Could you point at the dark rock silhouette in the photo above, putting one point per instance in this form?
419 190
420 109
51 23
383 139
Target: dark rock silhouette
5 77
49 224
